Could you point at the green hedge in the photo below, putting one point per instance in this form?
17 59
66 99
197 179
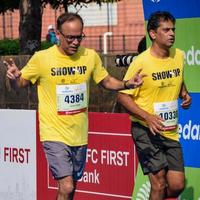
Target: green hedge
11 47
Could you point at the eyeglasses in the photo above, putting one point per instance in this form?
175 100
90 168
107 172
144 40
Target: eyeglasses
71 38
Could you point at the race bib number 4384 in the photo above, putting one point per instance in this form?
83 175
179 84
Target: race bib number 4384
71 99
169 112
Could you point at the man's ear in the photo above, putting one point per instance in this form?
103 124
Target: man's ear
152 34
58 34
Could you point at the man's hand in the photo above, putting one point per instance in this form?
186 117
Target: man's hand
154 123
135 81
186 100
12 71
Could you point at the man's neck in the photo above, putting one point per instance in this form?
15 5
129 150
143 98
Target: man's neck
159 52
62 51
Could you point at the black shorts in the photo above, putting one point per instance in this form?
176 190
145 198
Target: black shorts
156 152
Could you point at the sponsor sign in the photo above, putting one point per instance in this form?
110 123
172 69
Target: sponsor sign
189 129
179 8
110 157
18 155
111 161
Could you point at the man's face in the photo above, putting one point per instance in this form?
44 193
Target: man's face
165 34
71 36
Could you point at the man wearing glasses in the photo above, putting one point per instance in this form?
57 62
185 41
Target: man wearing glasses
62 74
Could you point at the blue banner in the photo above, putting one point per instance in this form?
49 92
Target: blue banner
189 129
178 8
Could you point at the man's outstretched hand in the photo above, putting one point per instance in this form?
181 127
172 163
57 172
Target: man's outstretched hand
136 80
12 71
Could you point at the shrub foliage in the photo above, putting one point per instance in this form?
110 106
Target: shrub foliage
11 47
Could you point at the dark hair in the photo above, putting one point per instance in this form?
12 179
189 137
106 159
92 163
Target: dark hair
67 17
157 17
142 45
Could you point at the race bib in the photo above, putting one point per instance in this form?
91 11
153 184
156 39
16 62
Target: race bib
169 112
71 99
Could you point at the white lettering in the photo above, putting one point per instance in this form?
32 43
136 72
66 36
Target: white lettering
195 132
90 177
197 60
189 131
117 158
192 56
92 155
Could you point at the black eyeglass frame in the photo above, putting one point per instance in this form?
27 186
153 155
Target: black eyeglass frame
71 38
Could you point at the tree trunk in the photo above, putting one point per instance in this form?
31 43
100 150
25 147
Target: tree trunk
65 5
30 26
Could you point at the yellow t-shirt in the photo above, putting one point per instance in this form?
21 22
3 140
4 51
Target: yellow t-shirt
160 90
63 92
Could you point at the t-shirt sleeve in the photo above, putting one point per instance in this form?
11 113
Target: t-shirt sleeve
99 72
31 70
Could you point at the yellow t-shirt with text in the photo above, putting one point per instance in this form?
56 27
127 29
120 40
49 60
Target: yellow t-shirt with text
63 92
160 89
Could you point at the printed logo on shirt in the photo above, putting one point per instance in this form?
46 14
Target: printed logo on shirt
60 71
166 74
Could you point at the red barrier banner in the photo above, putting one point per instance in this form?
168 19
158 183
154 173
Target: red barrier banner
111 162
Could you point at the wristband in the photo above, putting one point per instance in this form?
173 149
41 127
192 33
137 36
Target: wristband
19 75
125 86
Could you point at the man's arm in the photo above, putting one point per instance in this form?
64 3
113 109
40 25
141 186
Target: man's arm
112 83
154 122
13 73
